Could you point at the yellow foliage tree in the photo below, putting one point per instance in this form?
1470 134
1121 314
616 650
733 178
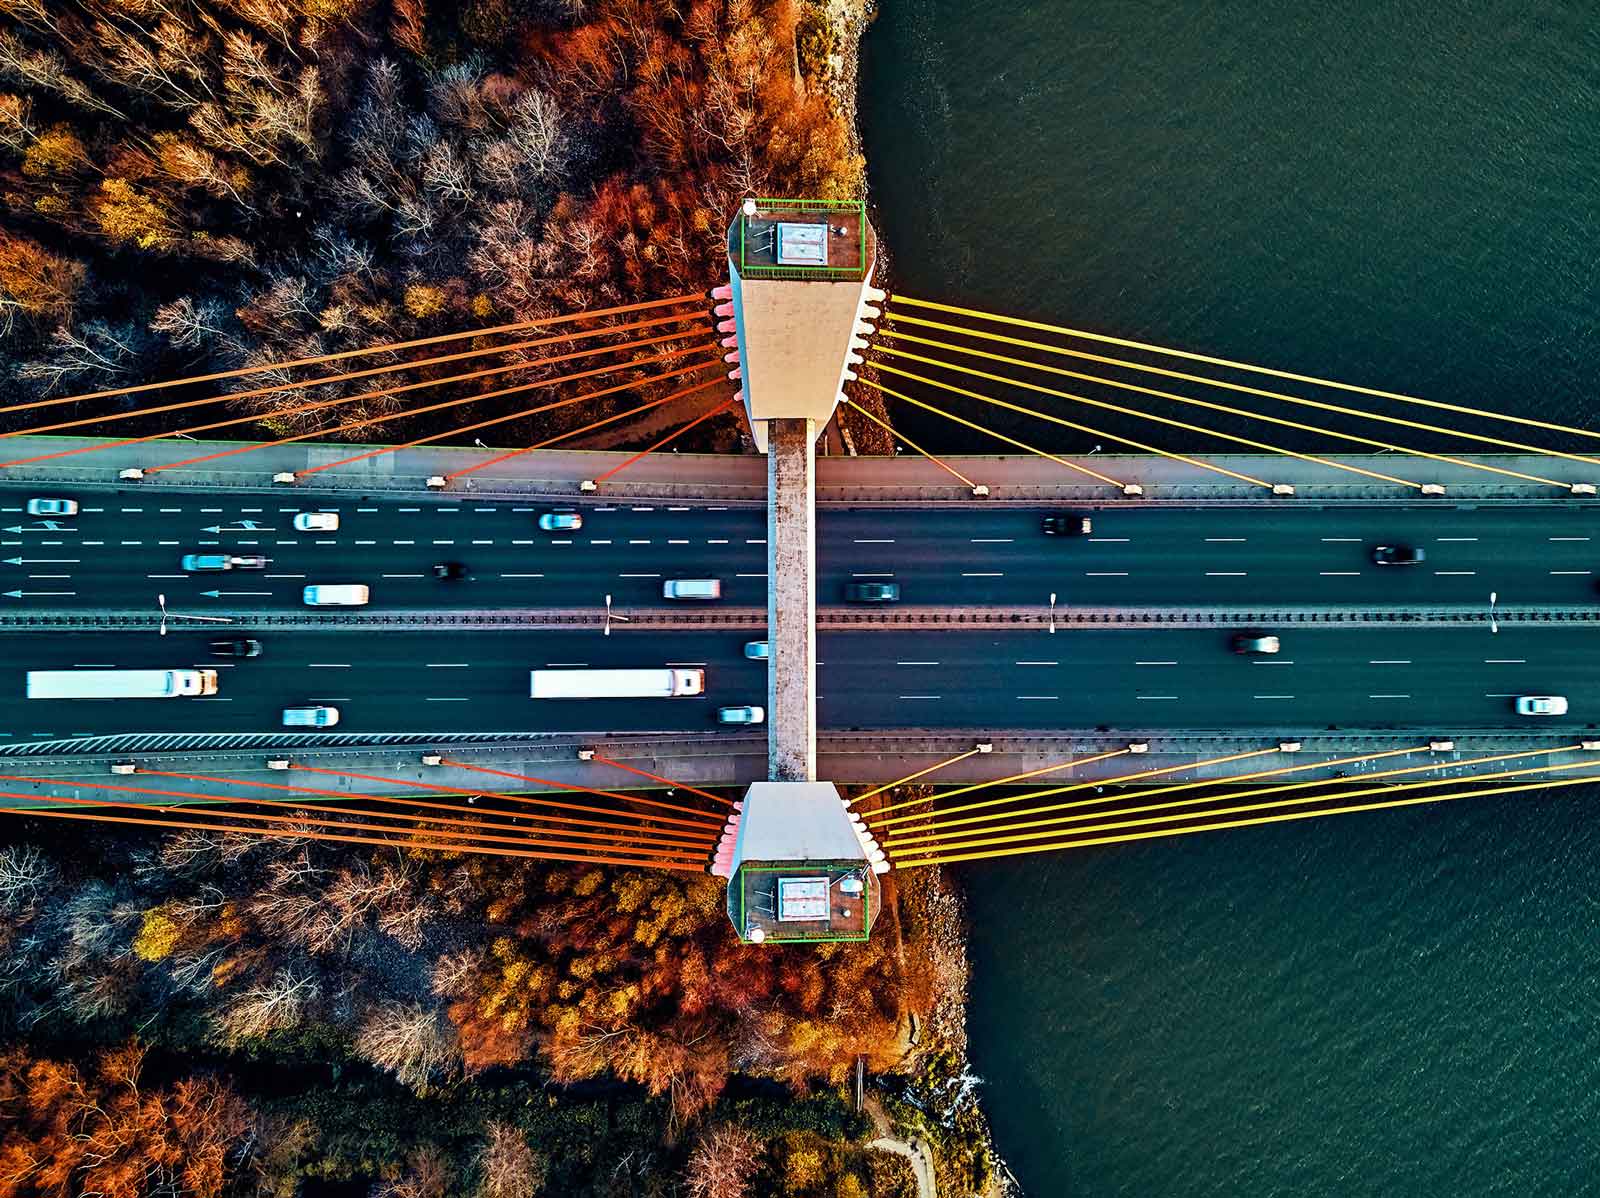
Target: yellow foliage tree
158 935
423 301
58 151
131 217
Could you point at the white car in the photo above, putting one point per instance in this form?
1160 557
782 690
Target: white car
561 522
316 522
741 715
758 650
310 717
52 507
1542 705
337 594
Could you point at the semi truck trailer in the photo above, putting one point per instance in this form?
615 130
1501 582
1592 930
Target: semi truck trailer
120 684
663 683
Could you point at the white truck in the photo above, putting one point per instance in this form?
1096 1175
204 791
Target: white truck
664 683
120 684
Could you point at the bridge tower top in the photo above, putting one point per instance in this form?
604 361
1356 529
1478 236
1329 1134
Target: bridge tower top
799 274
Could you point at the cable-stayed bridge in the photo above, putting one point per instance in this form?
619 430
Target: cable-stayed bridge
1224 505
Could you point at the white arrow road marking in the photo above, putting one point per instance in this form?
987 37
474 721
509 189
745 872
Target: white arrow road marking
42 561
242 526
222 594
35 594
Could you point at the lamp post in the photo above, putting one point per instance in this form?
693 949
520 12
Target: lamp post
609 617
1052 613
161 602
1493 598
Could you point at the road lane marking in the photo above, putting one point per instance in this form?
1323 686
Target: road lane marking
1569 538
166 510
436 542
1341 540
448 665
1106 574
1442 573
916 663
686 663
1572 571
366 542
1390 661
390 576
717 541
987 540
359 509
554 665
57 576
1505 661
518 542
328 665
1341 573
755 540
484 509
1272 663
1155 696
286 542
857 574
1038 663
1388 696
592 541
866 541
1224 540
565 541
966 574
408 509
285 576
124 542
641 509
436 699
248 510
670 542
1272 696
1155 663
1227 573
763 574
166 576
1497 696
475 542
919 696
1025 698
166 542
522 576
203 511
1444 539
638 542
638 576
677 509
1110 539
141 510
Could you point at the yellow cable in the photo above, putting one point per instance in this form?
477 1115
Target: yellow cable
937 822
1166 453
1186 399
913 777
1118 408
1242 823
998 436
961 790
1059 790
899 436
1218 798
1375 392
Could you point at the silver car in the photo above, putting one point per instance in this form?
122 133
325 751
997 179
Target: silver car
52 507
741 715
561 522
1542 705
310 717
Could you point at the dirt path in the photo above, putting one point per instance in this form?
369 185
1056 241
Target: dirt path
918 1153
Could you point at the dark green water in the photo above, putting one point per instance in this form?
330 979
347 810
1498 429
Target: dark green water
1405 194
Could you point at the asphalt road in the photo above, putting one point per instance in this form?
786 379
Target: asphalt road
1445 680
123 549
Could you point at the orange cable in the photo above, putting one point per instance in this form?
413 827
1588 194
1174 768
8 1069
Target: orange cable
594 424
449 403
701 419
388 347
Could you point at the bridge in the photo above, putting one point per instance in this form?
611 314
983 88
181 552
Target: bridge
1063 662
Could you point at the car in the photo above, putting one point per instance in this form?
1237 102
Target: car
1399 555
1541 705
52 507
758 650
872 592
316 522
310 717
450 571
561 522
336 594
692 588
239 646
205 563
741 715
1067 524
1253 644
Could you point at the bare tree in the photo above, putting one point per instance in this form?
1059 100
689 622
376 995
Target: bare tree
271 1006
48 70
507 1166
24 874
411 1042
723 1162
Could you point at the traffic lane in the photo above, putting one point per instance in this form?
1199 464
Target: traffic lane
1164 556
1435 679
119 545
393 682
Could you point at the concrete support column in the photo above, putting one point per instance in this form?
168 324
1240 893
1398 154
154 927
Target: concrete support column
791 600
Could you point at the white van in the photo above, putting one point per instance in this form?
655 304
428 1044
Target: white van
337 594
692 588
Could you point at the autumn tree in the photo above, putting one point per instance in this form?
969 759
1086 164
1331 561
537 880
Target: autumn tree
724 1160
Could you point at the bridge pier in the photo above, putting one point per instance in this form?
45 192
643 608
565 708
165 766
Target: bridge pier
791 600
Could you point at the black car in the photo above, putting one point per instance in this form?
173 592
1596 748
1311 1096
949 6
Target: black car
240 646
451 571
1399 555
872 592
1067 524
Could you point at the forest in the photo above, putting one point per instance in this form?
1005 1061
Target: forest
191 186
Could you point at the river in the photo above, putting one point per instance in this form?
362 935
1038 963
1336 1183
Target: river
1403 194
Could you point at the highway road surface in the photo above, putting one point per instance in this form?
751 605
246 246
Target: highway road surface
124 548
1444 680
